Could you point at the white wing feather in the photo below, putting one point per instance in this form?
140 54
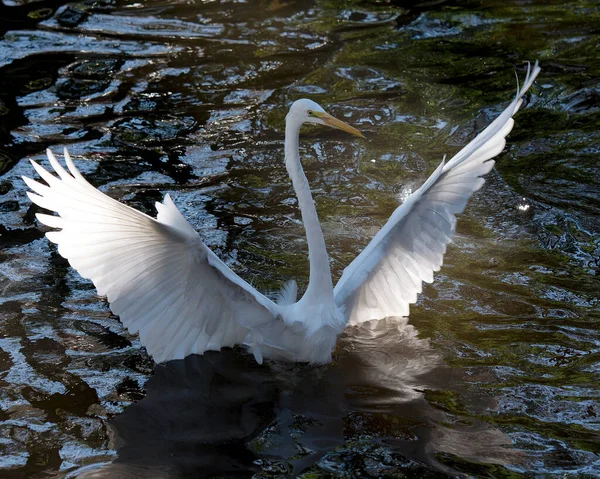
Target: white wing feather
159 277
385 278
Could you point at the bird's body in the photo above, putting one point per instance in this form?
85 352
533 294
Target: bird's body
165 284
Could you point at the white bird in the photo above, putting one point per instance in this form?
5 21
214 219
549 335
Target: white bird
167 285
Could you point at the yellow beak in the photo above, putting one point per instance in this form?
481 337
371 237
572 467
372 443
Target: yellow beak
335 123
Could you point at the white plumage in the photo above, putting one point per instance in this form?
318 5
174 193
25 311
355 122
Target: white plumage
387 275
168 286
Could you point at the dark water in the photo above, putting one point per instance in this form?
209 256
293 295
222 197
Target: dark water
497 373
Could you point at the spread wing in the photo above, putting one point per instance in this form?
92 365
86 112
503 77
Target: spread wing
387 275
158 275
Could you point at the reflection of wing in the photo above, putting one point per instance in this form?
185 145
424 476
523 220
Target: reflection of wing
386 276
158 275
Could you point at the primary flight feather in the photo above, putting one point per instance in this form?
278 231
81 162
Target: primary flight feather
168 286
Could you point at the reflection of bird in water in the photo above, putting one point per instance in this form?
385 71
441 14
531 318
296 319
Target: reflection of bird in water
223 415
196 420
167 285
207 416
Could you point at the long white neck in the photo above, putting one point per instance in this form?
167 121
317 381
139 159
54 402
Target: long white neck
320 287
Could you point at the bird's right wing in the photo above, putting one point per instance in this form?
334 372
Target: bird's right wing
385 278
158 275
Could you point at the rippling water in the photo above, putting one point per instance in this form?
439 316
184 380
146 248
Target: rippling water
496 373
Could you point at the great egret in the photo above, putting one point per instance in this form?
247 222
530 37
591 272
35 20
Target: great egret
166 284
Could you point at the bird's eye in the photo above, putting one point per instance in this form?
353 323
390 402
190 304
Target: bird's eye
310 112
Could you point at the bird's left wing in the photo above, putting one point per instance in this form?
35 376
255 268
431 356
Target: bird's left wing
158 275
387 275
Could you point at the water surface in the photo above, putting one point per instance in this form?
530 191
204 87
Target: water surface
496 372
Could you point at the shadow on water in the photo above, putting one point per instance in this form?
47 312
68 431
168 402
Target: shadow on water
223 415
196 420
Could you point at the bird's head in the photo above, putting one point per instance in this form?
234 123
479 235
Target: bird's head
307 111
